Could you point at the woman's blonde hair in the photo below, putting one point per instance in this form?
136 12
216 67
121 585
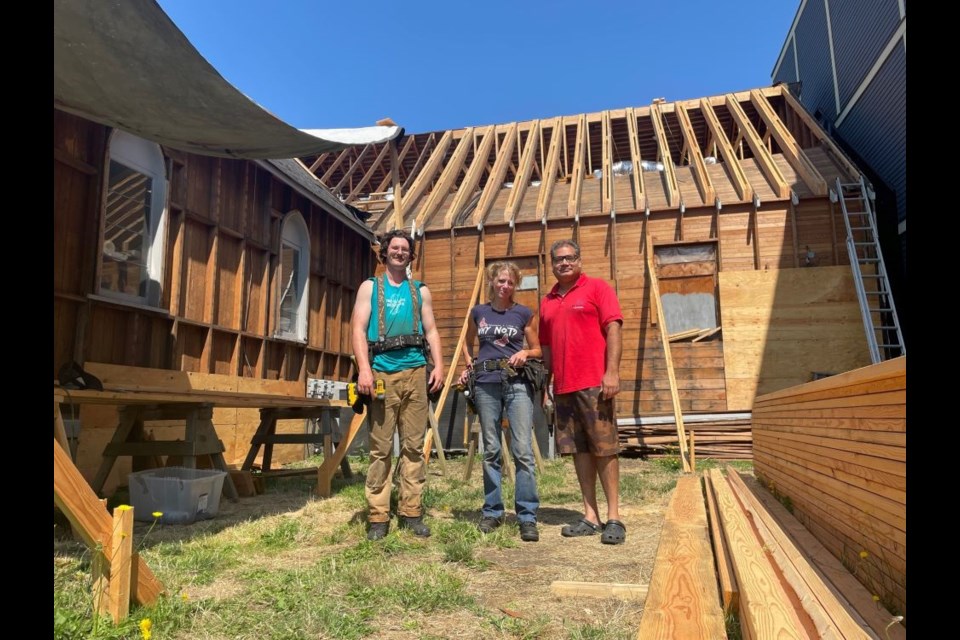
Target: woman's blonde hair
494 270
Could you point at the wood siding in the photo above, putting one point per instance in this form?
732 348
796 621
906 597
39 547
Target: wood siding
837 449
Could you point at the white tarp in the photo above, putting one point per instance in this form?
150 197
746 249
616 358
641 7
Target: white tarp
123 63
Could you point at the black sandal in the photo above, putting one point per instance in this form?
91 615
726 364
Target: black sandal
614 532
581 527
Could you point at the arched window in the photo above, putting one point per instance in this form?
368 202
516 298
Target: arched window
292 277
134 220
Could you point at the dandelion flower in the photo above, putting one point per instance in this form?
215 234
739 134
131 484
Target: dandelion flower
157 514
864 555
183 597
145 628
876 598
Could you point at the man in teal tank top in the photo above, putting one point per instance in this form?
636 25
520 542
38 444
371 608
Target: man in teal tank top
392 330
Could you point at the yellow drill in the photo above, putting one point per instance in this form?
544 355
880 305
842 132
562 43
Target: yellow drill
357 399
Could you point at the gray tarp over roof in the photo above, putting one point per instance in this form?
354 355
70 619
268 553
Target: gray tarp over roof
123 63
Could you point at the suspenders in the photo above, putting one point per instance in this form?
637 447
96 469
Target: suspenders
383 343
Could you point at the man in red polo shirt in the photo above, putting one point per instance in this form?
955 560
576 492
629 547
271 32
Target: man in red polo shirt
580 324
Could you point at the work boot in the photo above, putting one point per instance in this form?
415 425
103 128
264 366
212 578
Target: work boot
528 532
415 525
487 524
378 530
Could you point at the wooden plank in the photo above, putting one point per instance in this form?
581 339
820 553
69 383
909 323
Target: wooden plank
760 151
732 163
682 600
670 186
329 465
465 192
121 562
833 617
728 581
89 518
788 145
665 342
766 609
606 178
704 184
429 172
838 577
889 368
549 178
566 588
495 181
579 167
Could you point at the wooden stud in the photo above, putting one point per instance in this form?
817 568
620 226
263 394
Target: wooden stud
788 145
669 173
397 188
704 184
639 198
121 552
740 183
760 151
522 178
792 212
568 588
495 181
693 452
606 144
728 581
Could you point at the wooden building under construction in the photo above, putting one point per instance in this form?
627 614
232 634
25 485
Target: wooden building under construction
733 197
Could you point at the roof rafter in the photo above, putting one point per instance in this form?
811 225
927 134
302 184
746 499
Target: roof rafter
694 153
606 186
521 179
377 164
495 182
760 151
788 145
814 128
447 177
669 173
549 179
336 165
430 170
579 158
316 163
639 197
734 170
474 173
353 167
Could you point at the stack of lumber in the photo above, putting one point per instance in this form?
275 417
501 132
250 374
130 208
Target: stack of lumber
837 448
777 577
722 439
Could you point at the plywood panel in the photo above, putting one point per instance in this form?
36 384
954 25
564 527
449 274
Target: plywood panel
781 325
230 282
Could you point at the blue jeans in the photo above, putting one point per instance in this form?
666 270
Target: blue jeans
516 398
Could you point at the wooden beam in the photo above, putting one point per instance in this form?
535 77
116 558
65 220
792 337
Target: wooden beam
788 145
700 175
734 170
760 151
669 172
815 129
665 339
465 193
348 174
377 164
90 520
639 198
522 178
606 186
430 170
729 591
579 168
121 562
329 465
395 176
447 179
765 607
336 165
598 590
549 179
495 181
319 161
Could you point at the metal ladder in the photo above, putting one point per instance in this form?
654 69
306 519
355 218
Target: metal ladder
869 273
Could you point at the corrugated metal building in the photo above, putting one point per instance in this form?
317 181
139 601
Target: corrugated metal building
846 61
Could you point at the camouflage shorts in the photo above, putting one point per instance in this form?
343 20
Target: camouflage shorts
585 423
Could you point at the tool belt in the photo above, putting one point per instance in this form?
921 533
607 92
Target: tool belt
533 371
397 342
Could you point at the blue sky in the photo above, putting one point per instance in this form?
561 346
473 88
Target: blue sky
444 65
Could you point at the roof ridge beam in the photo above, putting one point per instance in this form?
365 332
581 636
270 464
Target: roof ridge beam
739 179
760 151
788 145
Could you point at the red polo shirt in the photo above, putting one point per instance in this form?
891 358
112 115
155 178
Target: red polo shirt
574 326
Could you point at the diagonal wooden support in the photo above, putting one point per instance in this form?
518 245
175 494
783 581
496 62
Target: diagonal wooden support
90 519
329 465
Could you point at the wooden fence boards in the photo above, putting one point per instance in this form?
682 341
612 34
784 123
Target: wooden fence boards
837 448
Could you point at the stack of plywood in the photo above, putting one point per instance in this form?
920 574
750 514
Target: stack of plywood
777 577
836 448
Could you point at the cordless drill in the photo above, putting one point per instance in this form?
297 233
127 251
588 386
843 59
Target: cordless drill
357 400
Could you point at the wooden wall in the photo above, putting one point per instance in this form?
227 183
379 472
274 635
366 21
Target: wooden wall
761 242
781 325
837 449
217 312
